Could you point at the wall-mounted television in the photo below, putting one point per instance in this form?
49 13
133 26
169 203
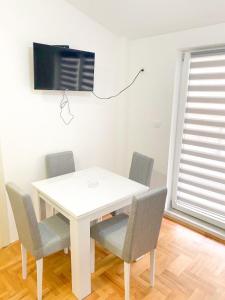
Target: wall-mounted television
62 68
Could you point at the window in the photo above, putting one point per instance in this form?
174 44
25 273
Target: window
199 156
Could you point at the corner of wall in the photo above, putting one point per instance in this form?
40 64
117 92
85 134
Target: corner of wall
4 228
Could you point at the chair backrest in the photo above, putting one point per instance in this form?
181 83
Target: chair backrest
25 218
59 163
141 168
144 224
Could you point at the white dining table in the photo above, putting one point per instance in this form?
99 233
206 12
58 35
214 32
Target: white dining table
84 196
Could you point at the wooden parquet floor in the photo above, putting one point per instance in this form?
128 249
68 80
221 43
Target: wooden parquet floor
189 266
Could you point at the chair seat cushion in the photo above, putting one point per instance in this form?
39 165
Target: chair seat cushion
55 234
111 233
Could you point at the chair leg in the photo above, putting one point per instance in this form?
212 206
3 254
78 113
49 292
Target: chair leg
92 255
100 219
39 264
152 267
127 280
66 250
24 261
139 258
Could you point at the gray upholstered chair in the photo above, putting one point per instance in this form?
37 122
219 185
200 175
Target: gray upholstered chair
59 163
141 168
140 171
130 237
40 239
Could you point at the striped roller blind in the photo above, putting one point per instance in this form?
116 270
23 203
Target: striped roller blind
201 170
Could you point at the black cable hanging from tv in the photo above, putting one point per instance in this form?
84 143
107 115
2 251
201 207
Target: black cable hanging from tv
64 102
123 90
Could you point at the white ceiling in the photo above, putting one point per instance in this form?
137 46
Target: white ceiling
140 18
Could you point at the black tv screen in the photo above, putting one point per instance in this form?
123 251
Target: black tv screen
62 68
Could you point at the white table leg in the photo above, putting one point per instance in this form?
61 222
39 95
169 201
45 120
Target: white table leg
42 209
92 255
80 257
40 206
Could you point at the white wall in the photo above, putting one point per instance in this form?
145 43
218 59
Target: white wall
151 98
102 133
4 228
30 125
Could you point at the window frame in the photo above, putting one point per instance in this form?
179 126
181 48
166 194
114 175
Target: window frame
178 114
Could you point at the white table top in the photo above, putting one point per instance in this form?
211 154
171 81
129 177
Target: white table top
86 191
